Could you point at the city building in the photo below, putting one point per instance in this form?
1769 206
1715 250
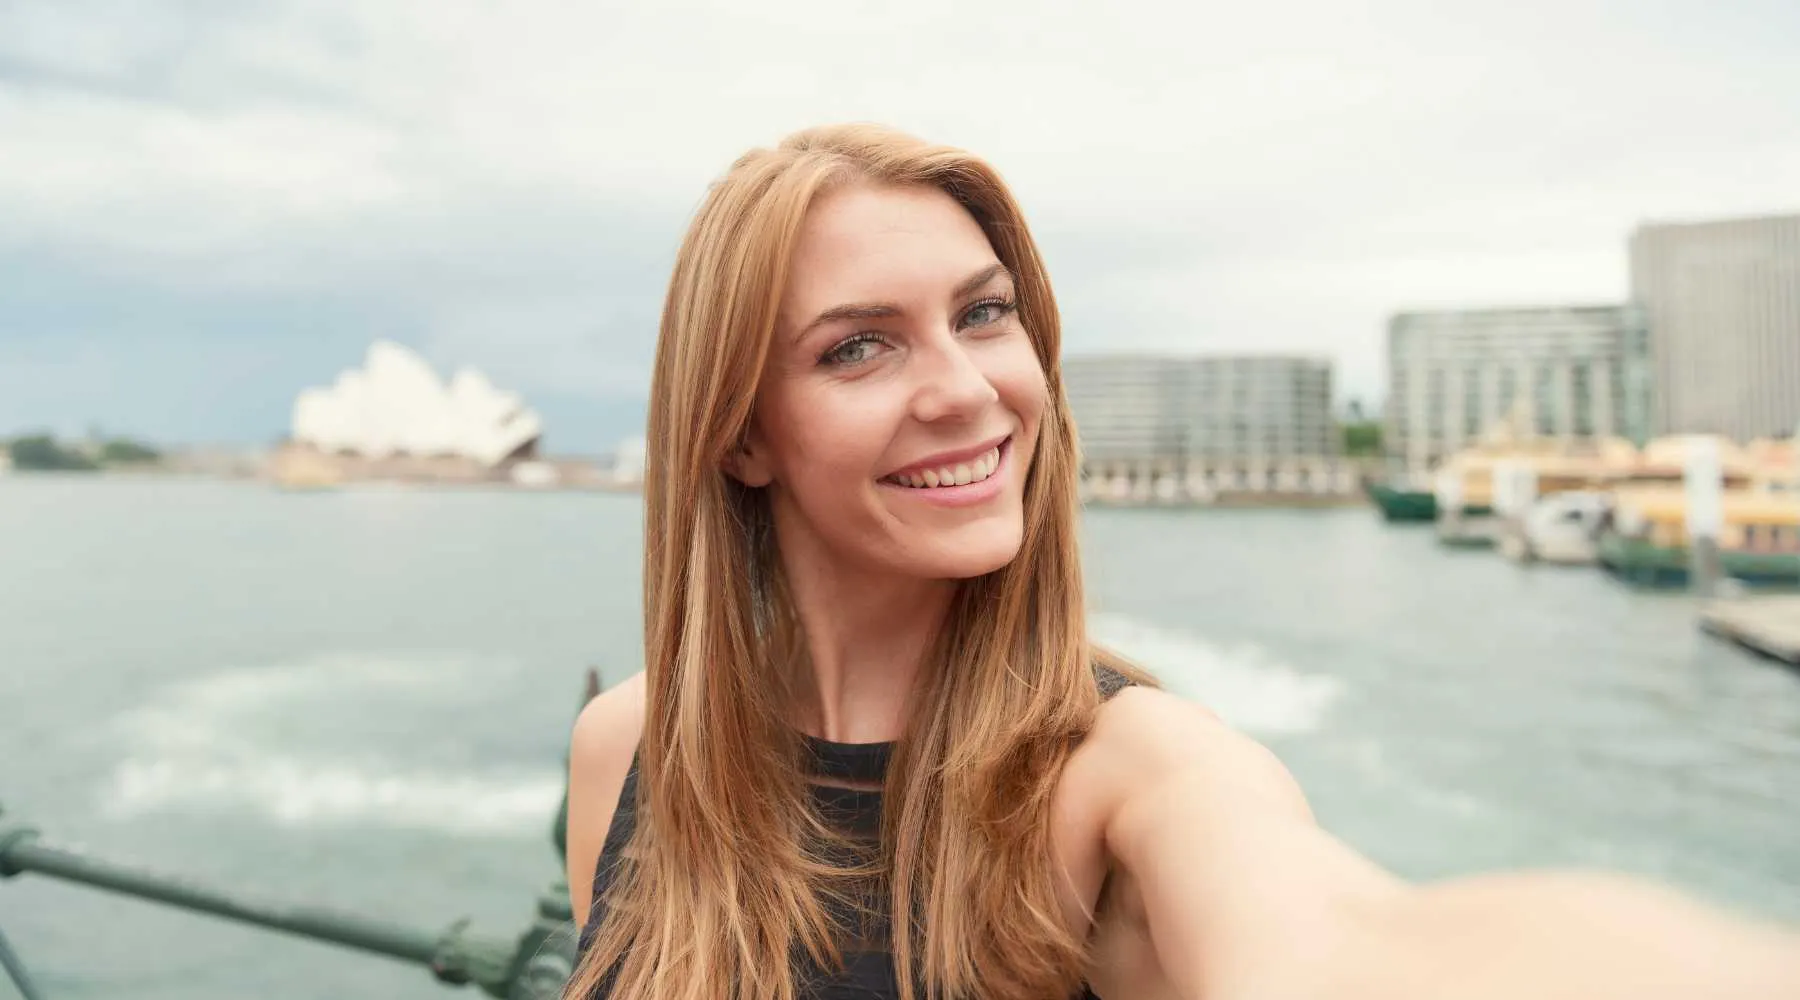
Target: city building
1723 302
395 419
1576 371
396 405
1197 426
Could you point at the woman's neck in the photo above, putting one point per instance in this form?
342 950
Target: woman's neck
866 636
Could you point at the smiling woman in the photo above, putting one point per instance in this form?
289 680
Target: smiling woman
874 752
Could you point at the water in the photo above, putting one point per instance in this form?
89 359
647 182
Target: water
363 698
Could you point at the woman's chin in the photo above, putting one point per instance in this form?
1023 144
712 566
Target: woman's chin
964 557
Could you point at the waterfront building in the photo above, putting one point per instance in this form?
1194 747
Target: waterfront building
1723 302
1574 371
1172 427
395 405
394 419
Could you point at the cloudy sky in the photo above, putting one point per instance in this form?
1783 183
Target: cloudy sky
206 206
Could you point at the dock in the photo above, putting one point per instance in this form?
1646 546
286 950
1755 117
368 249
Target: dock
1769 625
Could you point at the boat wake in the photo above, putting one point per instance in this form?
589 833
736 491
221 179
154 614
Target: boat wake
1249 688
310 793
358 740
325 741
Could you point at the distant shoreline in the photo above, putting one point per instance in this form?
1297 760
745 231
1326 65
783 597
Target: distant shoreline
355 485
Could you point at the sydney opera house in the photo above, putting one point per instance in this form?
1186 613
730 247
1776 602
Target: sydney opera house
395 419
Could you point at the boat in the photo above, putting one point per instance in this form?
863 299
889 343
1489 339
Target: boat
1563 528
1402 505
1663 461
1646 541
1775 464
1408 499
1494 482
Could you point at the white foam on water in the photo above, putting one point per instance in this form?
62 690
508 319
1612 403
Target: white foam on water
210 745
230 741
1249 688
302 793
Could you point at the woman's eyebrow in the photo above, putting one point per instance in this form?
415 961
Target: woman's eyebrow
859 310
888 310
979 278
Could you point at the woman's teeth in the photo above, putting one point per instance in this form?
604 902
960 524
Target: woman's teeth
961 474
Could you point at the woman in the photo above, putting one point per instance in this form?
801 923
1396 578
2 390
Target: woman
870 691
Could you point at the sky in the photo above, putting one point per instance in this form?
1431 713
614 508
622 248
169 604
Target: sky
207 206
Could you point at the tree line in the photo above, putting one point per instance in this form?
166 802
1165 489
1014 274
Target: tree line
44 453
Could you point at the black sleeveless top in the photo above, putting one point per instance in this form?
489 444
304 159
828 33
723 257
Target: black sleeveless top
868 972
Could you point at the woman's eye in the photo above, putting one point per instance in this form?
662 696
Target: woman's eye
854 351
986 313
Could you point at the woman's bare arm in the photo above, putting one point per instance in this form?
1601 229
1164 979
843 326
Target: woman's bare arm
1246 897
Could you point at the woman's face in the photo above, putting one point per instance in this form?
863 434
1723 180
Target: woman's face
900 406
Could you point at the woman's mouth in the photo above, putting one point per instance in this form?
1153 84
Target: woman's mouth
959 474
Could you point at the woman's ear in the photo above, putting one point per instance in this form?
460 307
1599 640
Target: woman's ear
748 463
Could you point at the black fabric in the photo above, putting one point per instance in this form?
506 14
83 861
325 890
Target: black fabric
849 761
868 972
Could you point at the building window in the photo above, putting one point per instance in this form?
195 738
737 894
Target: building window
1471 390
1544 389
1582 392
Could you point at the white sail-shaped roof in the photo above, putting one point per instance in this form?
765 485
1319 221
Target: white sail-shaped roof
396 405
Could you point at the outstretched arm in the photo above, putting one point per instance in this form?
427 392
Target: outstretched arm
1246 897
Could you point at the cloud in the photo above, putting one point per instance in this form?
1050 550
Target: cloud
503 185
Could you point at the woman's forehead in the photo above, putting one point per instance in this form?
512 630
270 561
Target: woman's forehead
882 244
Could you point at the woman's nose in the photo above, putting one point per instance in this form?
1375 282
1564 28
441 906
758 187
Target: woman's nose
953 385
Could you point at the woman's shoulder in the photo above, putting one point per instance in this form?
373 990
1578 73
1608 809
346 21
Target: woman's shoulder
1138 731
1144 738
1150 720
601 749
608 728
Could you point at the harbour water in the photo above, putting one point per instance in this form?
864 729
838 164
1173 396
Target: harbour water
362 698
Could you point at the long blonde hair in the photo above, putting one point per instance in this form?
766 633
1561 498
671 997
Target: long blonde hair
719 889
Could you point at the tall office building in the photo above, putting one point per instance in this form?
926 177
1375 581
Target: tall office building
1723 303
1578 371
1252 408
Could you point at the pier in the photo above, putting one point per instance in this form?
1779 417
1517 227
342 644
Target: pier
1197 482
1769 625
